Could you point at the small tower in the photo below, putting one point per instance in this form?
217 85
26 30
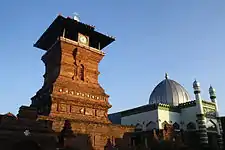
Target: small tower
212 93
203 137
71 89
197 90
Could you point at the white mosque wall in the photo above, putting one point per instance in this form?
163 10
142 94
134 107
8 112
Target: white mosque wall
168 116
159 116
188 115
143 119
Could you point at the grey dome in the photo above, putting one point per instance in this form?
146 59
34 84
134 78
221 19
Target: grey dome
169 92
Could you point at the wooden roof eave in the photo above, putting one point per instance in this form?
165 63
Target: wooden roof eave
53 28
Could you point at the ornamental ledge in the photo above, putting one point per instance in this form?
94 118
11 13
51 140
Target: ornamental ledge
80 94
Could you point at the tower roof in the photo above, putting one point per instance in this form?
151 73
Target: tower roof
70 27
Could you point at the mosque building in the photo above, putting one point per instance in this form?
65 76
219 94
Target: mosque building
170 104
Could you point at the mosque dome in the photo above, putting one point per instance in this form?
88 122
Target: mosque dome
169 92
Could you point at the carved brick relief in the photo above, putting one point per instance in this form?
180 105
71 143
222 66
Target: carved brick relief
79 94
100 113
100 140
77 110
54 107
62 107
90 112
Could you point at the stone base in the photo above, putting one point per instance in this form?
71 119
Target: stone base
94 135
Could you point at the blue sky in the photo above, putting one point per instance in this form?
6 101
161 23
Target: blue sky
184 38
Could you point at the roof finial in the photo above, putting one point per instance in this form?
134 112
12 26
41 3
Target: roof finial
166 76
76 17
196 84
210 86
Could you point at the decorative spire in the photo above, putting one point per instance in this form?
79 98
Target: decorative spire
166 76
76 17
212 94
196 84
211 89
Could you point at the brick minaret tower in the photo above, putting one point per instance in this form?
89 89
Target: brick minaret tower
71 89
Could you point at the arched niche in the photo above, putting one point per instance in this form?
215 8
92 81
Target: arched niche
176 126
81 72
150 126
191 126
165 124
138 127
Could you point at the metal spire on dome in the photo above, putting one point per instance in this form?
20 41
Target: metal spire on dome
166 76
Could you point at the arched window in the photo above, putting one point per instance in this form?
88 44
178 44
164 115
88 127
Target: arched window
176 126
191 126
138 127
81 72
165 124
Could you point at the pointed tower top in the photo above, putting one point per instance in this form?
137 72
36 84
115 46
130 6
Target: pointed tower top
211 89
196 84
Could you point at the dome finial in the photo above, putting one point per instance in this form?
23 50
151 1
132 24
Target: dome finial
166 76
